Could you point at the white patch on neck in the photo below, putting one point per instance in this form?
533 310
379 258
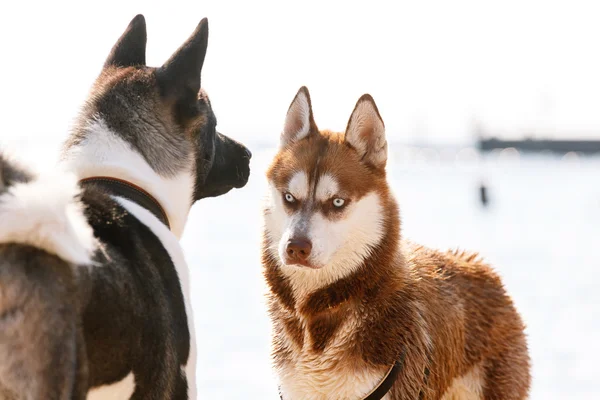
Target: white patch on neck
171 244
103 153
298 185
44 213
121 390
326 187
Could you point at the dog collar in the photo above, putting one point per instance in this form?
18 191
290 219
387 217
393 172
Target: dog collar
122 188
388 380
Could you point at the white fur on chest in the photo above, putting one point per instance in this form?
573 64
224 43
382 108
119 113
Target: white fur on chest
171 244
324 375
318 380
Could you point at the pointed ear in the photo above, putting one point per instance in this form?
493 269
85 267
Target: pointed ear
130 49
299 121
366 132
180 75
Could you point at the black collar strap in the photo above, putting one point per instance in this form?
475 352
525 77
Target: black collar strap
388 381
121 188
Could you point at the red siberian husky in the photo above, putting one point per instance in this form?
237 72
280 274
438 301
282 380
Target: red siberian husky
357 312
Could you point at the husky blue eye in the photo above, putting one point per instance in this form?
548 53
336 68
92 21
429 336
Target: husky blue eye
338 202
289 198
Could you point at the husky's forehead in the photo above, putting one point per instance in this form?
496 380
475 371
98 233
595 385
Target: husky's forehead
320 167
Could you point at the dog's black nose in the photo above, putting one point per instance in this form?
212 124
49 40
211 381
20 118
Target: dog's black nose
248 153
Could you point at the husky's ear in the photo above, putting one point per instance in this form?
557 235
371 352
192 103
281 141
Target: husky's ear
130 49
180 75
299 121
366 132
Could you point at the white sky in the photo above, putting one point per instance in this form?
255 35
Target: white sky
433 67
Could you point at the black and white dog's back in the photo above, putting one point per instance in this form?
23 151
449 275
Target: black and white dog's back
94 289
45 244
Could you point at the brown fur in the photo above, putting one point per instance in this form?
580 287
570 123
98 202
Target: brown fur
449 310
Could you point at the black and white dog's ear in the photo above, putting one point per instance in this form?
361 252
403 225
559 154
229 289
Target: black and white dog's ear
180 75
366 132
299 121
130 49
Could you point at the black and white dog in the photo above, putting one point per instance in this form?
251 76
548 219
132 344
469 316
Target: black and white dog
94 291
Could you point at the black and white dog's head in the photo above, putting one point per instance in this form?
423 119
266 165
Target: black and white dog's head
163 116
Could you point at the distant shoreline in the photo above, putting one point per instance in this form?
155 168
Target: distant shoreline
540 145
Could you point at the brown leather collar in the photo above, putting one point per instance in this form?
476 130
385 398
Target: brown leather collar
128 190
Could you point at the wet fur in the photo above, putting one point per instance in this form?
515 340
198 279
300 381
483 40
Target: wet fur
335 334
